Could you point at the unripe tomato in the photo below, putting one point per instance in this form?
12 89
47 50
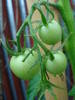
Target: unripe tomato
51 34
58 65
27 69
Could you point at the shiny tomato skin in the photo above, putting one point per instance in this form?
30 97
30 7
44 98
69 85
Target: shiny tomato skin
25 70
58 65
51 34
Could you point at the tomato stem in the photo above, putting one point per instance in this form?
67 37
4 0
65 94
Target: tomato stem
47 7
42 15
34 35
19 33
39 42
10 51
30 52
28 22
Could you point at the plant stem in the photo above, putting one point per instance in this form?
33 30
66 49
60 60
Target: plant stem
22 27
34 35
19 33
67 15
39 42
18 44
42 15
10 51
47 8
45 49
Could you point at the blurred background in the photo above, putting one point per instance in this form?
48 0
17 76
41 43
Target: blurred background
12 15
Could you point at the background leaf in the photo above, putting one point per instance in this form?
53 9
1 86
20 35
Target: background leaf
72 91
33 89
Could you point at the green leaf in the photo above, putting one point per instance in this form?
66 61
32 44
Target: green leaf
37 78
33 89
41 95
72 92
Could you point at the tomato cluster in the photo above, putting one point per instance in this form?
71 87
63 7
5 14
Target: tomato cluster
27 69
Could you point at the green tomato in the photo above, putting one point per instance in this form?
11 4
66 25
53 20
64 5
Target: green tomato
58 65
51 34
28 69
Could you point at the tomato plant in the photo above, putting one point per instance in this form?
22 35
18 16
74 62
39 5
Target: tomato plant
58 65
51 33
24 65
25 69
